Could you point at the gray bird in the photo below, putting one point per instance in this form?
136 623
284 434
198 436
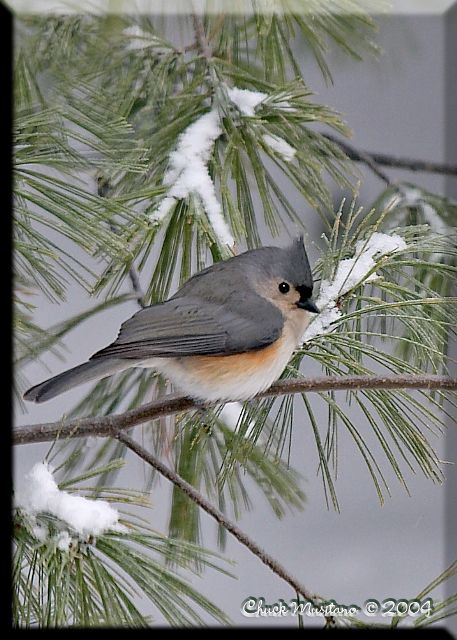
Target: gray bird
226 335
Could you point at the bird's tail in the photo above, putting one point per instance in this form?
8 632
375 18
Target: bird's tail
92 370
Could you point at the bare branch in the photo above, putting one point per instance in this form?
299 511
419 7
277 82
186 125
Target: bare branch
360 156
220 518
373 160
200 36
136 286
174 403
414 165
103 187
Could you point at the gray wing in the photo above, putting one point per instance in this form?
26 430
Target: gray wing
186 326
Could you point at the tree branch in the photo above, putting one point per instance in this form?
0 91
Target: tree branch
103 187
372 160
200 36
173 403
220 518
359 156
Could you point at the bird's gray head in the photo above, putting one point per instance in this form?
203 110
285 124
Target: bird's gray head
283 276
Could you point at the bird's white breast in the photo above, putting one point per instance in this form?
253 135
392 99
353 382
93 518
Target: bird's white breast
233 377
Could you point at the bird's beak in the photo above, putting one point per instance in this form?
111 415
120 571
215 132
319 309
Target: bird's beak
308 305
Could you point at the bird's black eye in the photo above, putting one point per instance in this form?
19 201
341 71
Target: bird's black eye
284 287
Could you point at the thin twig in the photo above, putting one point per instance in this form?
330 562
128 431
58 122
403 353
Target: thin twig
200 36
220 518
360 156
414 165
174 403
136 286
103 190
373 160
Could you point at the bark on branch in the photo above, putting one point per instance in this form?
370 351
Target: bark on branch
171 404
220 518
200 36
375 160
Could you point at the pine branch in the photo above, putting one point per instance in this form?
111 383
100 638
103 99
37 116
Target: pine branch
103 187
220 518
106 426
200 36
360 156
373 160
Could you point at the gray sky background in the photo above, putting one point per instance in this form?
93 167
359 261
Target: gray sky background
394 105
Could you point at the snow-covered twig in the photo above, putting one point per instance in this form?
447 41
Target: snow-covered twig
84 517
349 274
188 173
246 100
280 146
410 196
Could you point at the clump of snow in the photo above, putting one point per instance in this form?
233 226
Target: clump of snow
246 100
230 414
437 224
415 198
280 146
350 273
40 494
40 532
411 196
284 105
63 541
188 173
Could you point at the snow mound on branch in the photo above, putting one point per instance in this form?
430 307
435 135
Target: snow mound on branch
280 146
40 494
188 173
350 273
246 100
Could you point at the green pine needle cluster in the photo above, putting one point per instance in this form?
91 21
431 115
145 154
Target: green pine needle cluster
100 105
97 582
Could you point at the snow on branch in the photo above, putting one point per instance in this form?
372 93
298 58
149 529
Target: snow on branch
414 197
349 274
40 494
280 146
246 100
188 173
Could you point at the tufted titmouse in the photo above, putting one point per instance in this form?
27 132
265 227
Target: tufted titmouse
226 335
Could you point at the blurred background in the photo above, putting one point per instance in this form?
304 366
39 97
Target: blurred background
396 105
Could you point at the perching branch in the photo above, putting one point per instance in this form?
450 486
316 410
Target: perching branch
220 518
106 426
373 160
